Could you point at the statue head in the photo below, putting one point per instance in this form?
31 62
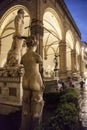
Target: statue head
31 41
20 11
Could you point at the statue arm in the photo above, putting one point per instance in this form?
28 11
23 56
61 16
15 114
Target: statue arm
39 59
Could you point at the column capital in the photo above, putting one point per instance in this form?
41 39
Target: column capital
73 52
62 42
36 26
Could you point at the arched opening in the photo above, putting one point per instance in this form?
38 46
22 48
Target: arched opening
52 36
69 48
7 30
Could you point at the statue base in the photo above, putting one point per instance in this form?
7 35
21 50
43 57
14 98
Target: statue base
56 76
11 86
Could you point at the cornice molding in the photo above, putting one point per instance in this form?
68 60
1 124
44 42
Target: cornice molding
68 14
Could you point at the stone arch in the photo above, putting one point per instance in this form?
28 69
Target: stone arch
53 34
70 39
52 19
69 48
7 29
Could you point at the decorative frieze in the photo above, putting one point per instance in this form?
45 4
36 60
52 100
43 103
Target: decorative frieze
11 72
10 79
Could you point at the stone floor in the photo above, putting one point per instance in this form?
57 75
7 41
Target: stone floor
83 104
11 121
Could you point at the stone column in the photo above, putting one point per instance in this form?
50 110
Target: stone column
73 61
37 30
62 60
82 66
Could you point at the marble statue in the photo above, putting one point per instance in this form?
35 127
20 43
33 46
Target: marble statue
32 87
11 73
14 55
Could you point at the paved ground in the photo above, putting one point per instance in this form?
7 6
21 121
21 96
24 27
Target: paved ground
83 105
10 122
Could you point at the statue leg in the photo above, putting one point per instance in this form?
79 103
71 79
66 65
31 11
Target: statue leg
37 104
18 49
26 114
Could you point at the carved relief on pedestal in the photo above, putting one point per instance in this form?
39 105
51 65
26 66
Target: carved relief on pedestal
11 72
11 85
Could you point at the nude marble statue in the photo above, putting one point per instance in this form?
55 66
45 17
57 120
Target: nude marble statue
32 87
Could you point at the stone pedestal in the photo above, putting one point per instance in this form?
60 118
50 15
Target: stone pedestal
56 76
11 86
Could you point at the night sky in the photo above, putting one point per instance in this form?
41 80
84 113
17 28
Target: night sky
78 10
